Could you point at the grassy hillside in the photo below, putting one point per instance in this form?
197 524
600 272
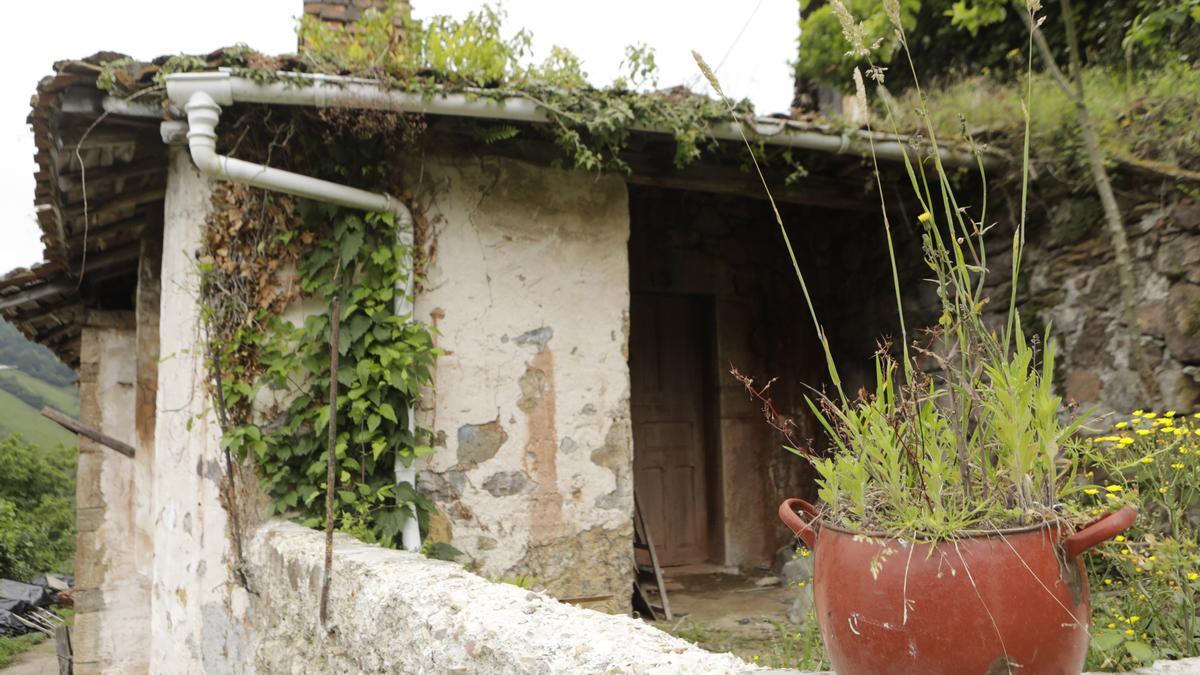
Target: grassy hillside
18 417
64 398
32 358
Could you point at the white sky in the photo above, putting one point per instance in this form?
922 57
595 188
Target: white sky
597 31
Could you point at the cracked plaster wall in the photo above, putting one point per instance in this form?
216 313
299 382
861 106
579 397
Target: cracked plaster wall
528 288
200 620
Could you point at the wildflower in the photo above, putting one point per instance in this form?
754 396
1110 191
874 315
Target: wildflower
1177 465
1139 412
1125 440
1150 415
1114 488
1119 538
1163 489
1108 582
1129 631
1192 576
1147 460
1112 625
1121 425
1169 413
1124 551
925 217
805 553
1133 619
1090 491
1143 432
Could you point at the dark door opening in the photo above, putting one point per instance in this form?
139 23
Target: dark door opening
668 359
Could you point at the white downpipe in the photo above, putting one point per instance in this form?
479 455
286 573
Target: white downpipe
204 112
331 91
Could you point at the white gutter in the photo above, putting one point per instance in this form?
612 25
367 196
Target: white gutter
204 112
329 91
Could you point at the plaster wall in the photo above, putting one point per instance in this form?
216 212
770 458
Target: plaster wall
199 620
527 285
111 631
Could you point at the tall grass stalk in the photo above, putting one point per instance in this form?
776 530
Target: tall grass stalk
974 447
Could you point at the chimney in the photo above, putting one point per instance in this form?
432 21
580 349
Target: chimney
342 12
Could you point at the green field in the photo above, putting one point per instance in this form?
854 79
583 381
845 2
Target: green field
18 417
65 399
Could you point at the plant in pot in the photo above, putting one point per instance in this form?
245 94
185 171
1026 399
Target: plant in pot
943 543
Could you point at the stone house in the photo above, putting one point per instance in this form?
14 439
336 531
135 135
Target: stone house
588 323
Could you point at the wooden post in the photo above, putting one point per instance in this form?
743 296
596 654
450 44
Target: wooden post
73 425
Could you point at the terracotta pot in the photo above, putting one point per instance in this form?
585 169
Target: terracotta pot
1011 601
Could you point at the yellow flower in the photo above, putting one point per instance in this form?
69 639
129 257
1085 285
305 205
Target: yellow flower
1150 415
1192 576
1119 538
1138 413
1121 425
1129 631
1108 582
1169 413
1163 489
1114 488
1125 440
925 217
1133 619
1112 625
1124 551
1176 465
1147 460
1143 432
1090 491
805 553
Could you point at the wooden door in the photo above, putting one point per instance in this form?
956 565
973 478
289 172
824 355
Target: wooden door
668 346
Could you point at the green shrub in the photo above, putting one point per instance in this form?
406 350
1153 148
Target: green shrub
37 509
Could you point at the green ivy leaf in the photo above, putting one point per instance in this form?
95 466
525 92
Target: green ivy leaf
387 411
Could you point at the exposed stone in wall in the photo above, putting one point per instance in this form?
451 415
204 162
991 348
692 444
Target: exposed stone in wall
529 289
112 625
397 612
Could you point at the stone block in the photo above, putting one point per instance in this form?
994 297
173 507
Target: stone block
1183 324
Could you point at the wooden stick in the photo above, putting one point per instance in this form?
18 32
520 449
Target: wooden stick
74 425
331 459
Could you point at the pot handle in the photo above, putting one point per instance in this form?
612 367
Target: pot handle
1102 529
803 529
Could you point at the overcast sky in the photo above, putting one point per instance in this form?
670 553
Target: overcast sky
752 39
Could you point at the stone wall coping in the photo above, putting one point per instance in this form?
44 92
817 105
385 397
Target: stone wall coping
393 611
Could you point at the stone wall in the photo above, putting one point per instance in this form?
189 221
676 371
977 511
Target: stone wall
527 286
397 612
1072 285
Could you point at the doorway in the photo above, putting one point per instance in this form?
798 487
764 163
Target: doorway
673 453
